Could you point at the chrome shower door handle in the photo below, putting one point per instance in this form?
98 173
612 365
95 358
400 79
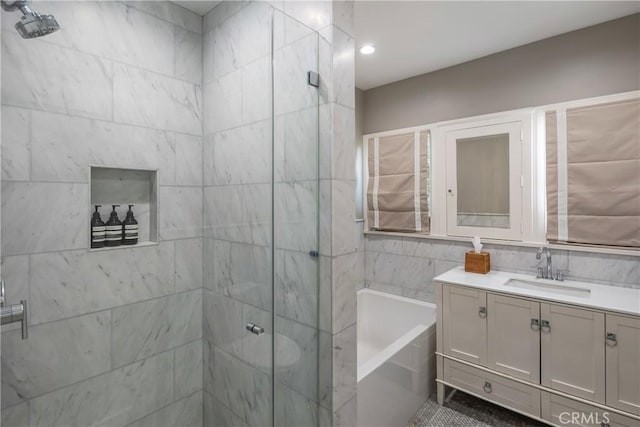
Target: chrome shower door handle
1 293
255 329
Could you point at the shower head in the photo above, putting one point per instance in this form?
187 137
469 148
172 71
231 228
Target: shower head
31 24
36 25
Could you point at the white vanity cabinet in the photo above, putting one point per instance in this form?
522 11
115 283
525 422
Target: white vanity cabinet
622 352
514 337
572 351
466 331
560 363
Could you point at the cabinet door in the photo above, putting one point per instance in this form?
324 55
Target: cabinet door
514 337
623 363
572 351
465 324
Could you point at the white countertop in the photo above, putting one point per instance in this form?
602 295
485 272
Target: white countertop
601 297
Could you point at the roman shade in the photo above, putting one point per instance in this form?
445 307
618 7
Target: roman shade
397 185
593 174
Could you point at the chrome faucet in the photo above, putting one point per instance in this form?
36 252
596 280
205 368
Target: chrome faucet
548 272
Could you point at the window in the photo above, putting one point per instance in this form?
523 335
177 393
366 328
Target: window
397 182
593 174
567 173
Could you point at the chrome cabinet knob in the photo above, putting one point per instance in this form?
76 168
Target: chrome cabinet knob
487 387
611 340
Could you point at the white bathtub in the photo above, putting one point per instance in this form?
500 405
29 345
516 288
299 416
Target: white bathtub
396 357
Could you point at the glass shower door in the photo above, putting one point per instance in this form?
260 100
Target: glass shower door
296 225
261 219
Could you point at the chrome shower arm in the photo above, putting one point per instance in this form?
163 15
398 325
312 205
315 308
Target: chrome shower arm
11 6
24 8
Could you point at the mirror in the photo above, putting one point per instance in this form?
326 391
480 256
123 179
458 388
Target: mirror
482 165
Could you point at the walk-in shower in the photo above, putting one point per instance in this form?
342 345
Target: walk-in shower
32 24
211 127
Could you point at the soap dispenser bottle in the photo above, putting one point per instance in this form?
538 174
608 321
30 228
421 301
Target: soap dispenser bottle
130 229
98 230
114 229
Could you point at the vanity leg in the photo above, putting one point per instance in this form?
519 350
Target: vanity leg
440 389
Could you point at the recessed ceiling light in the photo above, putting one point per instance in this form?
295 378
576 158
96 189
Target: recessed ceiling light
367 49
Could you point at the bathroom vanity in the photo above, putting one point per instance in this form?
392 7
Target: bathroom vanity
562 352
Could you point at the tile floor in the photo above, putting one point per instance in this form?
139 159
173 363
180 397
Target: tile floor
463 410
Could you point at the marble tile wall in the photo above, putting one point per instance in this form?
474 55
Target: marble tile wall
407 266
343 259
116 336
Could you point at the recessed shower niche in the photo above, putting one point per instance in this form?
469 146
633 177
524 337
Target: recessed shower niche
137 187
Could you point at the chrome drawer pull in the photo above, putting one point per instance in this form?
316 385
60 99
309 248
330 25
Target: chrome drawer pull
482 312
612 339
545 326
535 324
487 387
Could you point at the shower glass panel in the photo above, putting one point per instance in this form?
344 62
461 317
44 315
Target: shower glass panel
262 215
296 224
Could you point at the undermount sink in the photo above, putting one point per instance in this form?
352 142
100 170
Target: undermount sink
552 288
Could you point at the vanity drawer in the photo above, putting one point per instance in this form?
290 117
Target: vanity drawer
507 393
562 411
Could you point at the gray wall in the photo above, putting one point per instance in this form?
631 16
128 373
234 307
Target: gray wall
115 336
359 113
598 60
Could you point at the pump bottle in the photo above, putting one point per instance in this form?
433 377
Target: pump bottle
98 230
114 229
130 229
